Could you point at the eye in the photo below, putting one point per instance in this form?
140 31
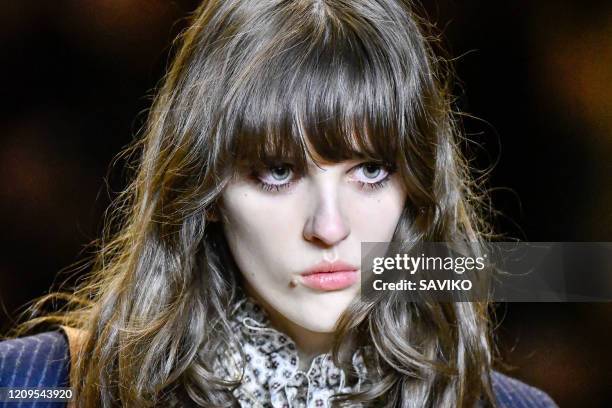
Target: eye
275 178
280 173
371 173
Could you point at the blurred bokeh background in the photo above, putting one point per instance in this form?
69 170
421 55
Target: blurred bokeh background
78 76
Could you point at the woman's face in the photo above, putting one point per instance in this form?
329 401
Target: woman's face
280 225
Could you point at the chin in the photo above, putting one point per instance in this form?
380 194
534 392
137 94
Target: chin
321 323
322 311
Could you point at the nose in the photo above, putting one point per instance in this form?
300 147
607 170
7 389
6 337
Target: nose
326 225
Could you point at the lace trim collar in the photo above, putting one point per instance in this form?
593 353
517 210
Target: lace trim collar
272 375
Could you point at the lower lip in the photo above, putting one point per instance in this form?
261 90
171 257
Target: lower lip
330 280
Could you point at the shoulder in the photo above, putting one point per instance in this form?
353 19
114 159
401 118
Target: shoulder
35 361
512 393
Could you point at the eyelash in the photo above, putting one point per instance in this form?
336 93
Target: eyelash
362 185
274 187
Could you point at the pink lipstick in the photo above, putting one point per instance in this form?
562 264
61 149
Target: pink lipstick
330 276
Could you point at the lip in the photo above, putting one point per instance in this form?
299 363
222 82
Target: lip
330 276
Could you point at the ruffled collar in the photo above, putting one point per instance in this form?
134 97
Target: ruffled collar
272 374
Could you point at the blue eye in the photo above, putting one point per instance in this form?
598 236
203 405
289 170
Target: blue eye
372 175
371 171
280 173
275 178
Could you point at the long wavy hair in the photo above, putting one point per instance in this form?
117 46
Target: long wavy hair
252 79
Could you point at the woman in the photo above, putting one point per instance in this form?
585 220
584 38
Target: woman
285 134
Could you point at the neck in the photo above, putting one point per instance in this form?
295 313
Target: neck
309 344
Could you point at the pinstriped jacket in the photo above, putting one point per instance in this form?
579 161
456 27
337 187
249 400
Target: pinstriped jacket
43 360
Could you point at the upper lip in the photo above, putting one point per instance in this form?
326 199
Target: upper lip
326 267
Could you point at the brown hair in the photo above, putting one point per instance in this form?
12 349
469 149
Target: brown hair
253 79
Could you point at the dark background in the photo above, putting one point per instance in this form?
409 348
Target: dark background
77 76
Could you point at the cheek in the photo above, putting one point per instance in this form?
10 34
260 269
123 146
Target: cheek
256 228
254 217
376 217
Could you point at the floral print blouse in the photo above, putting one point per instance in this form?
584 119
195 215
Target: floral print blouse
272 377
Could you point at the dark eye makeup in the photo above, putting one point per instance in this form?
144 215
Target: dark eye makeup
282 176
